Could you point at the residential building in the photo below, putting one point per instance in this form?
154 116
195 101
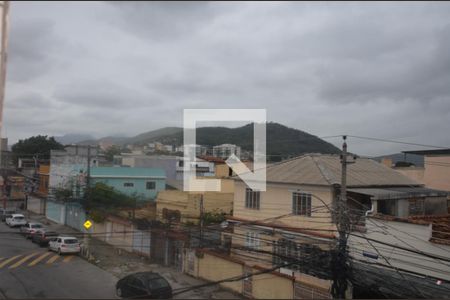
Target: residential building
226 150
435 172
172 165
200 150
68 171
43 173
144 183
68 167
295 216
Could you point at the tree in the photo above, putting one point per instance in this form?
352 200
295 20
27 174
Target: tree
39 146
111 151
101 200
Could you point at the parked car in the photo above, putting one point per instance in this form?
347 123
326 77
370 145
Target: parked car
16 220
6 212
144 285
43 236
30 228
64 244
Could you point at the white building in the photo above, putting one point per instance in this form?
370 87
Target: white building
226 150
68 167
200 150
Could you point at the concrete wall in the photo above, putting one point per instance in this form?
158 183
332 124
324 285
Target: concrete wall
437 172
403 234
277 201
213 268
274 285
36 205
114 232
66 169
189 204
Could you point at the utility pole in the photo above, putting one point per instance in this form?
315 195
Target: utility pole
201 220
88 175
86 196
340 273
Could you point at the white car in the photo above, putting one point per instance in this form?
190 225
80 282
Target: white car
16 220
64 244
30 228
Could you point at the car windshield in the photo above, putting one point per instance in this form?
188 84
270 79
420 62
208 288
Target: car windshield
19 218
36 226
70 241
157 283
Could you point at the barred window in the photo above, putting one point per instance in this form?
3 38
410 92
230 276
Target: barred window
128 184
252 240
301 204
252 198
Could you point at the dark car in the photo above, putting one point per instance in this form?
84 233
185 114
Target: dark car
43 236
144 285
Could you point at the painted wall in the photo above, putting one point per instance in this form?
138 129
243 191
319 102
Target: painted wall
276 201
264 286
437 172
67 169
35 205
213 268
118 234
55 212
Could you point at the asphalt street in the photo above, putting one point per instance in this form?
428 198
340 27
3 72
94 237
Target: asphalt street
29 271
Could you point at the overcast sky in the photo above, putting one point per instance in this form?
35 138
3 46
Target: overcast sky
379 69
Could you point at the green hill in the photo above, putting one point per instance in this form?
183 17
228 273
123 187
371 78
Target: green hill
282 141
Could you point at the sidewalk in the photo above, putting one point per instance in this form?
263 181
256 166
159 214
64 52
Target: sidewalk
121 263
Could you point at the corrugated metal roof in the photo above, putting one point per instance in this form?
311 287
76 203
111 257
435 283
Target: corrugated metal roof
127 172
325 169
399 192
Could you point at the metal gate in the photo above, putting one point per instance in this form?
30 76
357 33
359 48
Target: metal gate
142 242
75 216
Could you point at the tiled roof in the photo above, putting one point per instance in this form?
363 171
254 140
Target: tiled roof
325 169
126 172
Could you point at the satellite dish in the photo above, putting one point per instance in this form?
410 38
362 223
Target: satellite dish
224 224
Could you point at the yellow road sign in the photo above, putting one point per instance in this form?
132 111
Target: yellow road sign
87 224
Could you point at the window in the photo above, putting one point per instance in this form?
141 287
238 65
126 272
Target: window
151 185
128 184
252 240
416 207
301 204
252 198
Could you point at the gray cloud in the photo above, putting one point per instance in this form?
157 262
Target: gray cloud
123 68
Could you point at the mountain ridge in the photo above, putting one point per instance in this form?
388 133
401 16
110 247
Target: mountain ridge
282 141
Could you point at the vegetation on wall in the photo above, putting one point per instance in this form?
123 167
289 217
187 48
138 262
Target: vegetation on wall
213 217
101 200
